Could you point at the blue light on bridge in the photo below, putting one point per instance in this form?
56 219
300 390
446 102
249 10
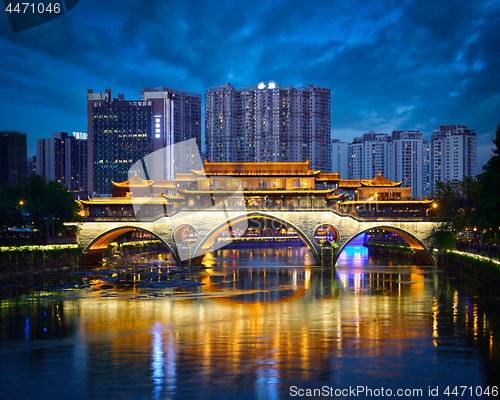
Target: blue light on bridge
354 254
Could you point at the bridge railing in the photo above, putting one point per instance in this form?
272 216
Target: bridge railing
399 216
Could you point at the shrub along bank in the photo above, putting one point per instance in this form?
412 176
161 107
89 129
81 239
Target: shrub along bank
480 267
17 254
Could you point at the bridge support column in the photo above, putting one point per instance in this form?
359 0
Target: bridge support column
327 256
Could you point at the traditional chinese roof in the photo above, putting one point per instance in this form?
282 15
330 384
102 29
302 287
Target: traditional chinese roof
257 169
380 181
164 184
134 181
349 183
328 177
96 201
341 197
398 202
261 192
185 177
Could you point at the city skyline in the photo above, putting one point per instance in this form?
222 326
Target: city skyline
390 66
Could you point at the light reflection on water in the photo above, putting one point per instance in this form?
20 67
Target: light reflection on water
263 320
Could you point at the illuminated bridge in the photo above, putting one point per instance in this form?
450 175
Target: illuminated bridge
95 236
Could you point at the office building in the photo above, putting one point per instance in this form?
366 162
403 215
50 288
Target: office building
453 153
63 159
268 123
13 157
123 132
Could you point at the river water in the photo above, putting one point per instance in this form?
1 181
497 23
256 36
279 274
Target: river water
261 323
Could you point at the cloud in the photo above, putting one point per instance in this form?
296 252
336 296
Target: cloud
389 64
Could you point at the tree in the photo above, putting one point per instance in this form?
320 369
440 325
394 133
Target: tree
457 203
42 204
489 200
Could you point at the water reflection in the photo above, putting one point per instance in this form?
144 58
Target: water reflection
251 331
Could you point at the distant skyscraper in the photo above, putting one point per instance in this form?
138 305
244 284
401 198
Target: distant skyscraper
123 132
410 161
63 158
340 159
13 156
268 123
453 153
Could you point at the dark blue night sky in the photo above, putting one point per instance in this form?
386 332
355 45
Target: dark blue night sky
390 64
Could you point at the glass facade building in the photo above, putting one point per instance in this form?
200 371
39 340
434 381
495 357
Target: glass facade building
123 132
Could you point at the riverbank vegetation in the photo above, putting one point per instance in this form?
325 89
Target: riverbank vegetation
33 209
469 210
12 254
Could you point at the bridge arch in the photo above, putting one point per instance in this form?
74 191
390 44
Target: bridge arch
96 247
424 255
205 245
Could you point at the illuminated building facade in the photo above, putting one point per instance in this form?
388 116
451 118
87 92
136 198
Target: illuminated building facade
268 123
275 186
122 132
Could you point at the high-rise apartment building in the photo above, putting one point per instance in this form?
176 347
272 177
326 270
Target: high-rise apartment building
409 161
375 154
340 159
355 158
122 132
268 123
367 155
63 158
453 153
13 157
403 156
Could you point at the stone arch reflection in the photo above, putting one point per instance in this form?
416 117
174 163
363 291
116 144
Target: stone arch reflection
229 226
93 252
422 253
256 286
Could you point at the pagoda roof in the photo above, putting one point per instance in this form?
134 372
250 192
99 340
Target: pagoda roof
125 200
349 183
257 169
380 181
185 177
164 184
409 202
328 177
261 192
134 181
